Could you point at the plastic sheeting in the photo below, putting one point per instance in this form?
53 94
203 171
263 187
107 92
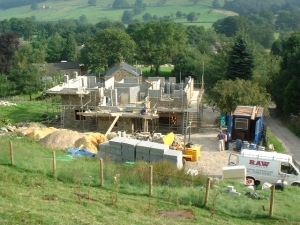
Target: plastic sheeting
80 152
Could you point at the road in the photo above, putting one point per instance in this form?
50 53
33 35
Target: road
289 141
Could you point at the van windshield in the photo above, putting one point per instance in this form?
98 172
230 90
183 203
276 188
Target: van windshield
296 164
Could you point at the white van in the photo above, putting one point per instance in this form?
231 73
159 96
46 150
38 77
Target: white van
265 166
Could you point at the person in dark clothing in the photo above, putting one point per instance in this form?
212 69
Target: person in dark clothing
221 139
228 139
143 111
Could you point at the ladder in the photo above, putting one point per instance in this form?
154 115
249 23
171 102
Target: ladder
185 121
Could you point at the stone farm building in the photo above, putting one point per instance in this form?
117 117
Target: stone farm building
116 103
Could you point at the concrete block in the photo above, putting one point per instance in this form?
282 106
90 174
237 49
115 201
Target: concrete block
235 193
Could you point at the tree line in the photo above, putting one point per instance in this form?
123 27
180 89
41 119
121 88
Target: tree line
236 67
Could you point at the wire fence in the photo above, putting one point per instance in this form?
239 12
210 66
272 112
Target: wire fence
160 181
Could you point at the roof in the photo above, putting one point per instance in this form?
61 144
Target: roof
135 71
246 111
266 155
53 67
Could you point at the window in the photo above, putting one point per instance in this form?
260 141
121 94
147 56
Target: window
79 117
241 124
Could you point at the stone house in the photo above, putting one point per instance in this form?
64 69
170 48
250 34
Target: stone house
71 69
116 104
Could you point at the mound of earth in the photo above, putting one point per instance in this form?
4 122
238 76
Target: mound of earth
90 142
37 133
61 139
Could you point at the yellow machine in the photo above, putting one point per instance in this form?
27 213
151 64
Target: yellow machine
190 152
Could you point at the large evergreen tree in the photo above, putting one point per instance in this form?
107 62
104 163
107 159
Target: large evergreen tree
241 61
70 49
54 48
9 43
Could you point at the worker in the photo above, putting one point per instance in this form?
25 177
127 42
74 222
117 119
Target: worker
144 111
221 139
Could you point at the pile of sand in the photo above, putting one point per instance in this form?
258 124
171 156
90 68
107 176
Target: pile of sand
38 133
61 139
90 142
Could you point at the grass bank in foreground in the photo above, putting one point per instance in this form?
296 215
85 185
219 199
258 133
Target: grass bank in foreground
29 194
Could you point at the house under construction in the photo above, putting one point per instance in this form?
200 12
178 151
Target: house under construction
116 103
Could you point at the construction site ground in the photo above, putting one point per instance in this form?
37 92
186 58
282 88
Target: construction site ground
211 160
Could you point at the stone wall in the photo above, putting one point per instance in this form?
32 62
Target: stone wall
126 124
122 74
295 121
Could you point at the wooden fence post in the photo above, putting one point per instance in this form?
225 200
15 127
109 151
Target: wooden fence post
101 173
207 191
272 201
54 164
150 180
12 161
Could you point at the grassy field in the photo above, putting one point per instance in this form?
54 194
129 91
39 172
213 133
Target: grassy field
30 111
29 194
73 9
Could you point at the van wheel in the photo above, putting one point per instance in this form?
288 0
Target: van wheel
296 184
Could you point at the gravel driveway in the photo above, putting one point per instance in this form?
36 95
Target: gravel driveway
212 161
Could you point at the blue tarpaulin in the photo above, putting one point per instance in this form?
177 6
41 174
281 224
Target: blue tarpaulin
80 152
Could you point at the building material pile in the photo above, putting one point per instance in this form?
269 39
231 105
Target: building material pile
90 142
122 149
61 139
5 103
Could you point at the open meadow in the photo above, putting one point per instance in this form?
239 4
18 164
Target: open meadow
73 9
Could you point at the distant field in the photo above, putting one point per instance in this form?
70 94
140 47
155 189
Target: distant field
75 8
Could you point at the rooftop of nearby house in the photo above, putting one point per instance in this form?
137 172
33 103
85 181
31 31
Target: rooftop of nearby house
246 111
133 70
53 67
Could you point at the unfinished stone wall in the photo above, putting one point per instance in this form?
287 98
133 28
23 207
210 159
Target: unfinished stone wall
122 74
104 123
178 103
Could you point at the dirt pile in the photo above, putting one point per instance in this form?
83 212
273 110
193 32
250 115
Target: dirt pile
90 142
38 133
61 139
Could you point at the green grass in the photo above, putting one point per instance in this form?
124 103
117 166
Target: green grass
29 194
164 71
75 8
277 145
30 111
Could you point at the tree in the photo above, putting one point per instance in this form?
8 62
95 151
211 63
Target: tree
228 26
216 4
178 14
195 1
120 4
159 42
241 61
34 6
92 2
106 49
83 18
191 17
27 70
70 49
228 94
127 16
285 85
147 17
9 44
54 48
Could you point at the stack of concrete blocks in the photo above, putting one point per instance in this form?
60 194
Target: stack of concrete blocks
143 150
157 152
235 173
232 191
173 156
115 150
103 147
129 150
